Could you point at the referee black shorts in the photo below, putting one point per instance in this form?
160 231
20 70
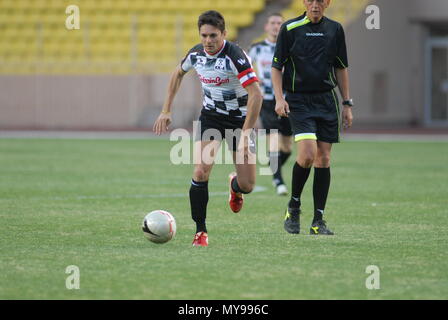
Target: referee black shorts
219 127
315 116
270 119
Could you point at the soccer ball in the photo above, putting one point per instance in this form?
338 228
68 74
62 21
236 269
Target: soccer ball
159 226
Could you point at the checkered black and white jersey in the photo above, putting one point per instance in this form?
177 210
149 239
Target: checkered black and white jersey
262 54
224 76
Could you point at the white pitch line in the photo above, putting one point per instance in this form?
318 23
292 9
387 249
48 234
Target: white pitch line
123 135
383 137
87 135
142 196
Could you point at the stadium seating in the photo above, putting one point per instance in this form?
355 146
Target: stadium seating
343 11
118 36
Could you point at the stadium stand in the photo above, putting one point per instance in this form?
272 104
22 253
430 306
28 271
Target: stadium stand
343 11
116 36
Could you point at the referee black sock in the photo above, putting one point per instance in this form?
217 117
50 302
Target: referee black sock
198 202
321 185
299 177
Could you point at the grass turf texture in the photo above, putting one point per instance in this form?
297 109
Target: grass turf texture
81 202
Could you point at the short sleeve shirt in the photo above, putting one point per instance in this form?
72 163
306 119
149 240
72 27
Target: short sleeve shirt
223 76
261 54
308 53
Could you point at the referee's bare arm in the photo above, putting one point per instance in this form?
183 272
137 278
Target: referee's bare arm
254 102
164 119
342 78
281 106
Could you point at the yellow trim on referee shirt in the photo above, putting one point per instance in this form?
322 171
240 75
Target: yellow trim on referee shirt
305 136
299 23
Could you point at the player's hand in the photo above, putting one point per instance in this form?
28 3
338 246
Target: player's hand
282 108
162 123
347 117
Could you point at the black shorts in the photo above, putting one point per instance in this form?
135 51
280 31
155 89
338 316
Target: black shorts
270 119
315 116
217 127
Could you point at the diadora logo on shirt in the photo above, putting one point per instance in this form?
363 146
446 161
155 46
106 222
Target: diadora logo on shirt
316 34
216 81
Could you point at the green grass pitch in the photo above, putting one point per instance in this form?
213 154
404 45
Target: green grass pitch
81 202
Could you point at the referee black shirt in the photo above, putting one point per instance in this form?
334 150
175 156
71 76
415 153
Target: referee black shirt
309 52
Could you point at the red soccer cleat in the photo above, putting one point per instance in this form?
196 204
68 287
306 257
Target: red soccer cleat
235 199
200 239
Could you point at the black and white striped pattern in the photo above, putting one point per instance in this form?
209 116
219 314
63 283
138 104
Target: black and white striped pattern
224 76
262 54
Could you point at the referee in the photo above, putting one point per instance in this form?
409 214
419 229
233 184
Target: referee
310 60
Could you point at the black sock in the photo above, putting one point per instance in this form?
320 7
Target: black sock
198 203
321 186
299 177
275 164
236 188
284 157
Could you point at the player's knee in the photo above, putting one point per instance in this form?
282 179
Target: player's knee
322 161
286 149
200 174
306 160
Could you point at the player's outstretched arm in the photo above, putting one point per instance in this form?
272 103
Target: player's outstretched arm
164 119
281 106
343 82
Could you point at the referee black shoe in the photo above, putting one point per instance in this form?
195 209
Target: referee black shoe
319 227
292 220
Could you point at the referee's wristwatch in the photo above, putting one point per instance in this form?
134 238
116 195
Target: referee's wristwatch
348 103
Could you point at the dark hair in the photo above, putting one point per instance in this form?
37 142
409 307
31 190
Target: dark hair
213 18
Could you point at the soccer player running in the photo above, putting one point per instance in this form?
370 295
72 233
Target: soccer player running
312 53
279 139
232 100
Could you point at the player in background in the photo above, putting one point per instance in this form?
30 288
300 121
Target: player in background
232 100
262 54
310 61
